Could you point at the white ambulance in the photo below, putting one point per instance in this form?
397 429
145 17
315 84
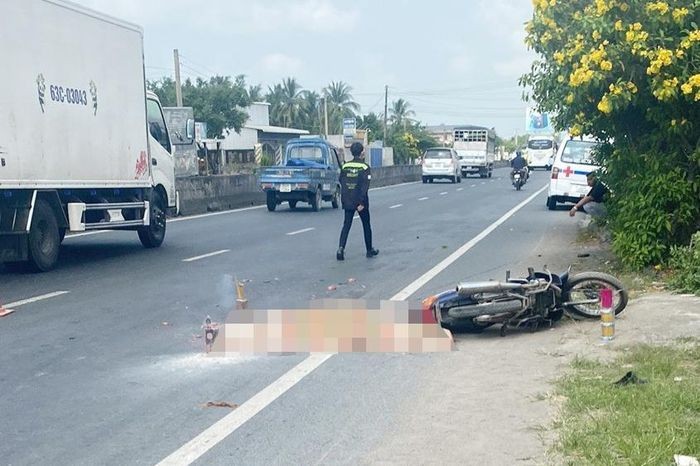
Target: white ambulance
573 161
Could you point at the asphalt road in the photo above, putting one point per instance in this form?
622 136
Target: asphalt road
110 371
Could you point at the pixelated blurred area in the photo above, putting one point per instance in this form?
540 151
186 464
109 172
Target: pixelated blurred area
333 326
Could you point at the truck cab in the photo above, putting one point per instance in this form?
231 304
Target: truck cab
309 172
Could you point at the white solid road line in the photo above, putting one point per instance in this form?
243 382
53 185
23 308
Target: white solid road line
442 194
208 439
396 206
204 256
432 273
205 441
35 299
460 189
423 198
300 231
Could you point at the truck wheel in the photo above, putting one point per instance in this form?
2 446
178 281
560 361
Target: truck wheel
551 203
316 201
153 235
490 172
44 238
336 198
425 179
292 205
271 201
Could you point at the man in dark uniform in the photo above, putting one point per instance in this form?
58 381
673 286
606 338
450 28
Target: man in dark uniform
354 181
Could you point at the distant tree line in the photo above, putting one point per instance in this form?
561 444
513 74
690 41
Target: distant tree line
221 102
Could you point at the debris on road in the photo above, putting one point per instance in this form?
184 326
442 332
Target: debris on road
220 404
211 331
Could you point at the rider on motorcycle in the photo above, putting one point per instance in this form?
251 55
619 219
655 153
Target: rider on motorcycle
518 164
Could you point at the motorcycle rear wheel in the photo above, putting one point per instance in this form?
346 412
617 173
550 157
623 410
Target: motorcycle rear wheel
587 285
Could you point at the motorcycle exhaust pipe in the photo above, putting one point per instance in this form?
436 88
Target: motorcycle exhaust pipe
470 288
486 309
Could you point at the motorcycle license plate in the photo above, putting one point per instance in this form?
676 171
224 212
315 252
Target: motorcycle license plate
286 188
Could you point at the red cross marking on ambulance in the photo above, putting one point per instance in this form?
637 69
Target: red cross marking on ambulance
568 171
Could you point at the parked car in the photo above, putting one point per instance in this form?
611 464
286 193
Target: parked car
310 172
573 162
441 162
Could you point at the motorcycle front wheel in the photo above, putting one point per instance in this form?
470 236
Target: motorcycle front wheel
583 292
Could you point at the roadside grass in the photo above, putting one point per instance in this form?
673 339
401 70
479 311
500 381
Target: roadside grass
637 424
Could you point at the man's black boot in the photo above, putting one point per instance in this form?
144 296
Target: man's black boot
340 255
372 252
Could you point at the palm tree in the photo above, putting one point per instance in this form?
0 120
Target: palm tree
400 113
290 103
340 103
310 111
275 97
255 93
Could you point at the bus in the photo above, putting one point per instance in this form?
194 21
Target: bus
540 151
476 148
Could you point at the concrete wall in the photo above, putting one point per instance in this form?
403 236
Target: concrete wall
200 194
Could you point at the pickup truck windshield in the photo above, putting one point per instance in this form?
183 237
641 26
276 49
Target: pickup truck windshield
580 152
310 153
438 154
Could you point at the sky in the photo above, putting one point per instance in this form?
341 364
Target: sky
454 61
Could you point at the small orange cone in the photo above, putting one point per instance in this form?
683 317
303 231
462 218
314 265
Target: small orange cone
4 311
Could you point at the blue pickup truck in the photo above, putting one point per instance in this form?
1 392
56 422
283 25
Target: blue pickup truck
309 172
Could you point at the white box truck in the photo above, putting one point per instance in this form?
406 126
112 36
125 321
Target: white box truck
476 147
83 145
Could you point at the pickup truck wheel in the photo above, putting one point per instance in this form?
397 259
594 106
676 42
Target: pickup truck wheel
552 203
44 238
152 236
316 200
292 205
272 201
336 199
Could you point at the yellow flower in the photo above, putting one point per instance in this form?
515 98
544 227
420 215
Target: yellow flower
686 88
569 99
560 79
695 80
685 43
606 65
559 57
680 53
624 7
679 13
596 35
694 36
552 2
605 105
661 7
540 5
637 26
618 25
575 130
632 87
602 7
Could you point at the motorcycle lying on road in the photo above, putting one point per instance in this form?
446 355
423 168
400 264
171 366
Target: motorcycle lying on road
537 300
519 178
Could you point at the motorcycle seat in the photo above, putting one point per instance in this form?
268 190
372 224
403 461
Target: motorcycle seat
470 288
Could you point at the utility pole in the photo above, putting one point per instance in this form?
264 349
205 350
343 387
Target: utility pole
178 89
325 113
386 110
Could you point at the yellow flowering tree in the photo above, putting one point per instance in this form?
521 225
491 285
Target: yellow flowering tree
628 71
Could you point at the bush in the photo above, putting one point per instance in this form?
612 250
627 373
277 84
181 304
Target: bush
685 260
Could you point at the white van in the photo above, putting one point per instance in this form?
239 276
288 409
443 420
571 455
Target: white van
541 151
574 160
